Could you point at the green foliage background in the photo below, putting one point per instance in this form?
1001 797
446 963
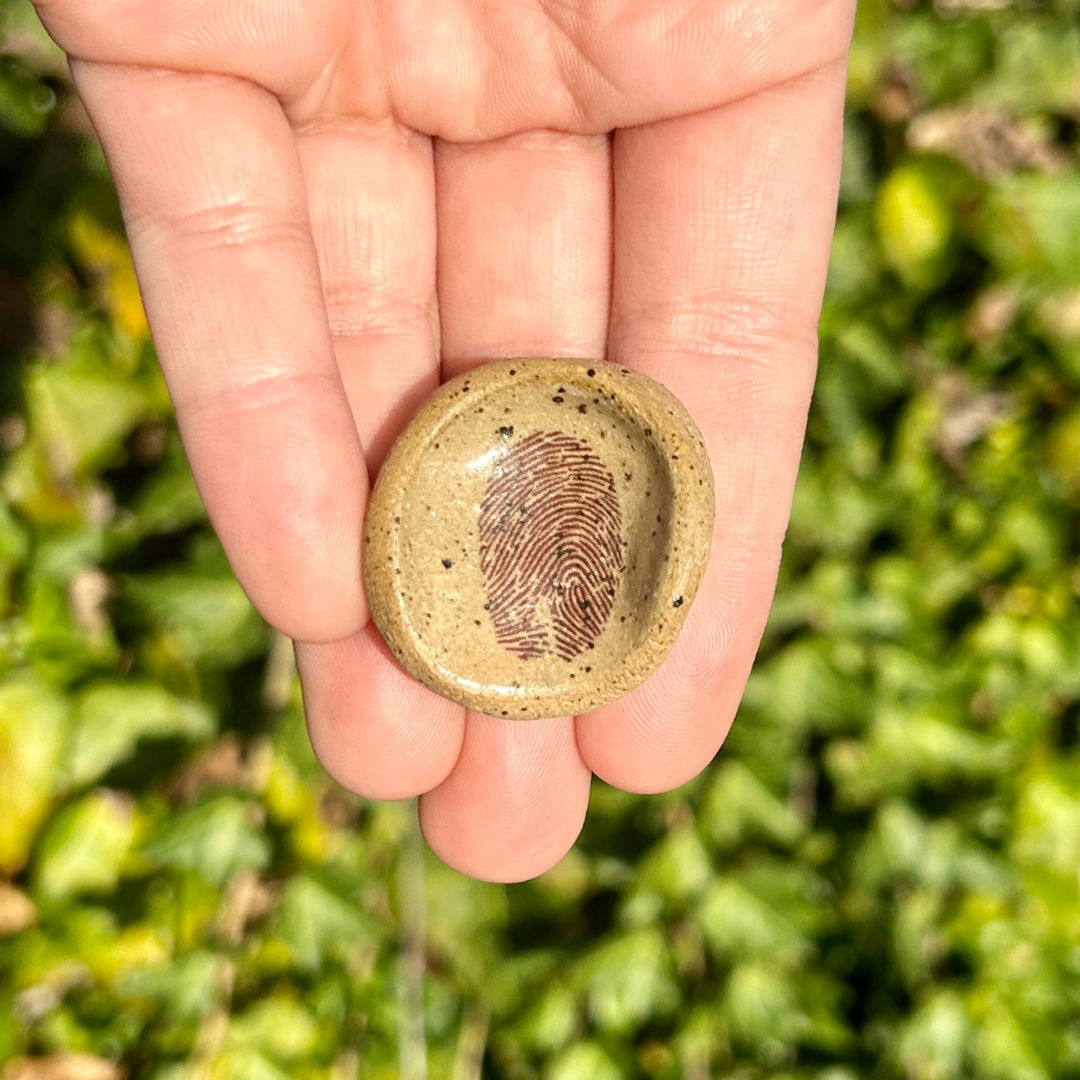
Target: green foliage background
880 874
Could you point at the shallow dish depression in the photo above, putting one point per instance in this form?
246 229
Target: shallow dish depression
537 534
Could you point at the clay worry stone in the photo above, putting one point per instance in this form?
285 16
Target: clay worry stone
537 535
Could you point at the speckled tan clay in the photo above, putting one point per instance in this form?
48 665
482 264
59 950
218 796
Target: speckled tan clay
537 534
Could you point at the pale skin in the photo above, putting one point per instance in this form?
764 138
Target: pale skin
336 204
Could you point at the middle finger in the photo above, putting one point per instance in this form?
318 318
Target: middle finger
524 269
371 194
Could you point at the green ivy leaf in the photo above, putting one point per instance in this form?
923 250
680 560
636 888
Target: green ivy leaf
210 618
215 840
628 981
112 718
317 924
738 807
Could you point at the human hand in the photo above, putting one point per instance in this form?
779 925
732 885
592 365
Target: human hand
334 205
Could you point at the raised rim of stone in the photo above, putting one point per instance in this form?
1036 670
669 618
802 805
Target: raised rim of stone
639 401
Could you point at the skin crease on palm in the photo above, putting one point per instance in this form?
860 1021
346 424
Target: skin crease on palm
336 204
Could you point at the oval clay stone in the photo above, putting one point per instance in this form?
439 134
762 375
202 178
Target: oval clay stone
537 535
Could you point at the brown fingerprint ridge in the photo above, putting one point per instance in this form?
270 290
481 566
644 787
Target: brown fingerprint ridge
550 546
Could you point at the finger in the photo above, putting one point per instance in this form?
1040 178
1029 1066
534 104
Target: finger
214 201
375 729
723 223
371 192
523 269
515 802
284 47
524 248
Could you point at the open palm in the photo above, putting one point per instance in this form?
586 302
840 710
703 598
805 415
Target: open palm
335 204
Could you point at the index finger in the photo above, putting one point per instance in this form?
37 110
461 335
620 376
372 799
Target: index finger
215 205
722 229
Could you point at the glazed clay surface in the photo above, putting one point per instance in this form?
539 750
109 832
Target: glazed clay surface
537 535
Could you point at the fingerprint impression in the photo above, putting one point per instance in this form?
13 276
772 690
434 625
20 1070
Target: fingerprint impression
550 546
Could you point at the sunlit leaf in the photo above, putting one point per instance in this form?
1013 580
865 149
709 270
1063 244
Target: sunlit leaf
278 1026
34 730
85 845
105 256
583 1061
934 1043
